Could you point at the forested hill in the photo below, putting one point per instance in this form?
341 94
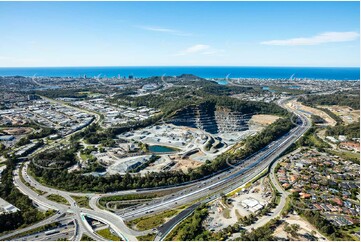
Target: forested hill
342 99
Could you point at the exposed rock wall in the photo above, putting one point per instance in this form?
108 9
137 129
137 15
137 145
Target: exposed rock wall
211 119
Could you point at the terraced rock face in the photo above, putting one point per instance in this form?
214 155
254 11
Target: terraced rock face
211 118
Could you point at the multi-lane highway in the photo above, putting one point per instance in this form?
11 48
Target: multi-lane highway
245 171
204 190
109 218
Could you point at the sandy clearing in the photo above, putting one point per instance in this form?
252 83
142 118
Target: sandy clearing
306 226
263 119
184 164
347 114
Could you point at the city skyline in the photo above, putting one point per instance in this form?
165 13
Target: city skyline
314 34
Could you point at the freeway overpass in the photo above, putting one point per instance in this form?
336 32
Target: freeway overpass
204 190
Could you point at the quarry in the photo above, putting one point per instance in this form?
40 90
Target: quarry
189 138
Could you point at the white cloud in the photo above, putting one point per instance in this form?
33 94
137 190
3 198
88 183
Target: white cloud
327 37
196 49
200 49
164 30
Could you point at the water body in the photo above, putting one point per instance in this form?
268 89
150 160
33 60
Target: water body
331 73
222 82
160 149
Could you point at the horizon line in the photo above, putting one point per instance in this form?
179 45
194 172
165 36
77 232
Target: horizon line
179 66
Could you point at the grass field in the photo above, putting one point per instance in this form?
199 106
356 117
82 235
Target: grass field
85 157
227 213
58 199
150 222
82 201
105 233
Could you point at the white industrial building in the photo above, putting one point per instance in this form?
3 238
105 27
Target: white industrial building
251 204
6 207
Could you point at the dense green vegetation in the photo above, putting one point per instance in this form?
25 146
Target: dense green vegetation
94 134
172 99
23 141
44 132
148 237
194 92
191 228
69 93
57 198
342 99
28 214
351 130
58 158
245 107
104 200
323 225
317 119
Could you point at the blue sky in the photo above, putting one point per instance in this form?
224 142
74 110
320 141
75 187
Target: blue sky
179 33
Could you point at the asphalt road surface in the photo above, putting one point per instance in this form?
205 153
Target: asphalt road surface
204 190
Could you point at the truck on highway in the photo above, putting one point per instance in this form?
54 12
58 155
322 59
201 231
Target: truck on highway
50 232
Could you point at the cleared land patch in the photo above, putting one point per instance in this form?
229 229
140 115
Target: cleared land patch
308 111
347 114
263 119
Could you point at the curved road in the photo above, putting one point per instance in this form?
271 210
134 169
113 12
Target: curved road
241 173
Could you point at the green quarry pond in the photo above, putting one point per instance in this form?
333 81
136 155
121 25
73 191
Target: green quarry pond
160 149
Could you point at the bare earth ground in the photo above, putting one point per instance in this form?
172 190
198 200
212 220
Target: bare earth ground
263 119
184 164
308 110
217 220
17 131
305 228
347 114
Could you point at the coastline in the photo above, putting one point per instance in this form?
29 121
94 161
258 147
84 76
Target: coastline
209 72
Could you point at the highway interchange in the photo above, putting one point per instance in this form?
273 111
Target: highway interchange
200 191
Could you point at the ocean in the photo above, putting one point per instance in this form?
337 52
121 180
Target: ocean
330 73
